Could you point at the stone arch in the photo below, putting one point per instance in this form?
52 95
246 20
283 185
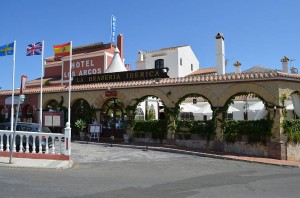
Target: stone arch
87 96
156 111
128 97
264 93
101 99
80 109
139 93
243 102
288 93
192 95
113 117
51 104
48 98
203 91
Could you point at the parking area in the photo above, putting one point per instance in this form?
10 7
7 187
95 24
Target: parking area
88 153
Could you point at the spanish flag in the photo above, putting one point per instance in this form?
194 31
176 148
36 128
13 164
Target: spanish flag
62 50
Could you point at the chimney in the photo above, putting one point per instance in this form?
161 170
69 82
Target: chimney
237 66
127 67
140 56
285 67
220 54
120 46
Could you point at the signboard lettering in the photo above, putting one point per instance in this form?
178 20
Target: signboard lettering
111 94
121 76
84 67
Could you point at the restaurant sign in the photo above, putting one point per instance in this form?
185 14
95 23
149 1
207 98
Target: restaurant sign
122 76
111 94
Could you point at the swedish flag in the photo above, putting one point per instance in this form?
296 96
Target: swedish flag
7 49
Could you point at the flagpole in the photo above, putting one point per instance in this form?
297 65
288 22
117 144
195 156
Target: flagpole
41 95
12 128
13 89
70 79
111 30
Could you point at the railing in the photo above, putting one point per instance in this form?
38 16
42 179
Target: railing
33 142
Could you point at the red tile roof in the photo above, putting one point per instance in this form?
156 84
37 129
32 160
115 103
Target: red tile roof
204 71
167 82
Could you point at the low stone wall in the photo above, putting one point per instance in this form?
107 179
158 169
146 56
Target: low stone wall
199 144
148 140
293 151
244 148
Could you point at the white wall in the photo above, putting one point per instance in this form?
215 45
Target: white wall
188 58
239 115
171 60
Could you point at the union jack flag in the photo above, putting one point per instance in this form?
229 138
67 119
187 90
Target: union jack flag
34 49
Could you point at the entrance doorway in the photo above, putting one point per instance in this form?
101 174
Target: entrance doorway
113 118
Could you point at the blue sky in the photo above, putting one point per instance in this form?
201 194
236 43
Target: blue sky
257 32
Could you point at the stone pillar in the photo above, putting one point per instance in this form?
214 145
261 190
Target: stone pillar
219 139
277 146
171 128
129 128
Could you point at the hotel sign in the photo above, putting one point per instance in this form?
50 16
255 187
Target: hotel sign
121 76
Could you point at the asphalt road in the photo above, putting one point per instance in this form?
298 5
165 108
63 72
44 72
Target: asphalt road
103 171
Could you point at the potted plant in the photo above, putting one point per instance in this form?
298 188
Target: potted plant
81 125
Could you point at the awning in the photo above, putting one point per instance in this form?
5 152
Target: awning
257 106
204 110
290 107
186 107
232 109
207 110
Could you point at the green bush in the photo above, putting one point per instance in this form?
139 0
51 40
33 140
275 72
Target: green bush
205 129
254 130
292 130
158 128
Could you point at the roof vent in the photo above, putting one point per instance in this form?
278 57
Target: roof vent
294 70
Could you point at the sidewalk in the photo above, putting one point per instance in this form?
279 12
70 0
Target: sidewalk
35 163
64 164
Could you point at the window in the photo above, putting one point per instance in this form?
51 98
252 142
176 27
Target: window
159 63
192 67
186 116
229 116
180 61
151 113
139 114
